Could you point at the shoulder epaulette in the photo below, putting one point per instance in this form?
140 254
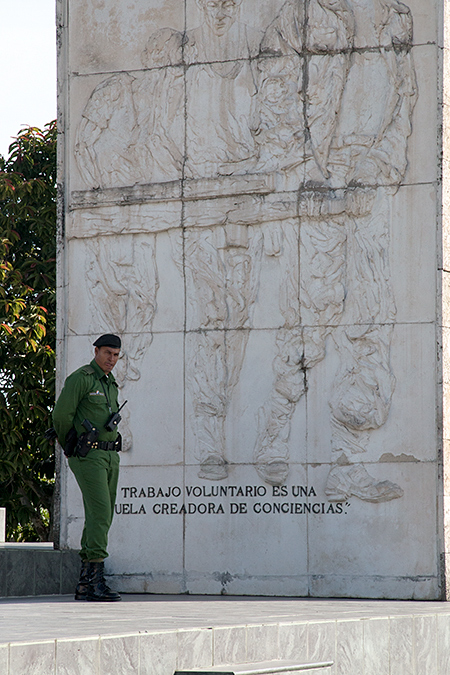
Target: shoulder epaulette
88 370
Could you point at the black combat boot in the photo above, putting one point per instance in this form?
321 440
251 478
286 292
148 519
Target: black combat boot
97 589
82 587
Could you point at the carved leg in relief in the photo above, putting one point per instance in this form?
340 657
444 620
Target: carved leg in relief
205 354
365 383
360 403
223 267
312 294
271 454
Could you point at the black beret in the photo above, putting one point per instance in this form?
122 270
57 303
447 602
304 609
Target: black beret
108 340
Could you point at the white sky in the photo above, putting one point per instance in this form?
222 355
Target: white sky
28 68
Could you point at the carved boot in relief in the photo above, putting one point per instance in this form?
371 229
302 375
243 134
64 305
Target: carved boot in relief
213 467
354 481
273 472
271 452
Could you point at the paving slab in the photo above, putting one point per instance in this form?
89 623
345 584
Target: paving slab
158 635
48 618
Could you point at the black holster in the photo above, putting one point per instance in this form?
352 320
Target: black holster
87 439
71 442
82 447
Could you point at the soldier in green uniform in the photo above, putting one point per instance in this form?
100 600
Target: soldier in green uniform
82 420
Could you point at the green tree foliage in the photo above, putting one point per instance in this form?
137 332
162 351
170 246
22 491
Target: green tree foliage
27 331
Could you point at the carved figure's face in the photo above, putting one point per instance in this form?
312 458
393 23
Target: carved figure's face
220 14
275 90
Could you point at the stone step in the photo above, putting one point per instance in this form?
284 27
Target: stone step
261 668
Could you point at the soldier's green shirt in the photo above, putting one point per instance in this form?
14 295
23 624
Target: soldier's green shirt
88 393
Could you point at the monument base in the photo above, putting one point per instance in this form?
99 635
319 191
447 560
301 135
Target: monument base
161 635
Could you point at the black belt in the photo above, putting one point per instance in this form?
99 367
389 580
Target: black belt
104 445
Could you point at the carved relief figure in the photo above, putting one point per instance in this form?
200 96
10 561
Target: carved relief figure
258 120
300 88
132 129
123 285
370 148
320 101
220 85
222 269
344 271
106 137
222 265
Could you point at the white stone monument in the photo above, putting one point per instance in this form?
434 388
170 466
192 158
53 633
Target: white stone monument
250 197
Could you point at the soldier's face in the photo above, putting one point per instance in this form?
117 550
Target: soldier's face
106 358
220 14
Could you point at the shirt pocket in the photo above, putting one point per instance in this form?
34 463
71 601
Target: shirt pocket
96 398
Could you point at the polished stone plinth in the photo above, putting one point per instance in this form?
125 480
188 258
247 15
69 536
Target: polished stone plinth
28 569
157 635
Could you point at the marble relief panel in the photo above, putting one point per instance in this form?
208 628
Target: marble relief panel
115 33
357 550
89 220
151 298
254 14
422 146
278 278
222 269
317 99
248 412
121 280
403 437
156 404
224 413
412 255
155 539
131 130
425 17
413 361
282 112
123 285
226 539
170 314
81 89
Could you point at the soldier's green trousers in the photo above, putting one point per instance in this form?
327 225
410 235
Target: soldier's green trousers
97 475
